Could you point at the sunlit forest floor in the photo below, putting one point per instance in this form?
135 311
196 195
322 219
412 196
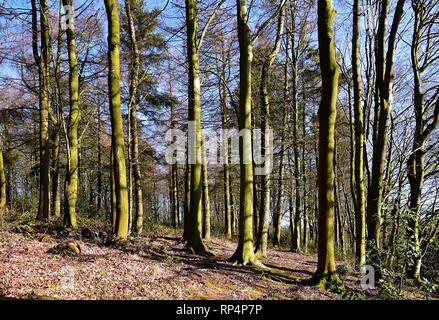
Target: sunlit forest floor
35 265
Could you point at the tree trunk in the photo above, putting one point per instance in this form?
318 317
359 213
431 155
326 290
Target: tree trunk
193 236
44 100
117 137
244 253
360 191
206 200
261 243
2 181
383 98
295 246
74 117
415 163
326 274
134 130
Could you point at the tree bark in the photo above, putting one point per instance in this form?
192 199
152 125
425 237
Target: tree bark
134 130
194 235
326 274
360 191
74 118
44 100
244 253
117 136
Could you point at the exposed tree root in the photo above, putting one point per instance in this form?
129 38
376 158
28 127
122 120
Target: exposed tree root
327 281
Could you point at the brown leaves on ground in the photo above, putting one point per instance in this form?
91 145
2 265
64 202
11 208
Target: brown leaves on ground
157 268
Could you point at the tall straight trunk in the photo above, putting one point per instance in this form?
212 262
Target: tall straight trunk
383 99
306 231
295 246
395 215
74 117
291 205
194 236
187 193
326 273
205 196
43 61
174 196
117 134
281 187
244 253
134 129
261 243
99 168
56 190
233 214
360 191
56 194
2 181
226 166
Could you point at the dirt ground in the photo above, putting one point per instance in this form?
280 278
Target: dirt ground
154 268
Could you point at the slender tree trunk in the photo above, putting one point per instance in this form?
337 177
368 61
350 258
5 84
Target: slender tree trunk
360 191
134 129
120 174
326 273
194 235
206 200
226 167
261 243
383 98
2 181
280 191
71 192
295 246
244 253
415 163
44 99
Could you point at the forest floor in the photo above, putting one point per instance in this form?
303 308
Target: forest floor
156 267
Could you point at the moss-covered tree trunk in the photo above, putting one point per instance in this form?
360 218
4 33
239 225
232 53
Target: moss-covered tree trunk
117 136
205 196
360 191
43 61
71 192
244 253
326 274
193 236
134 130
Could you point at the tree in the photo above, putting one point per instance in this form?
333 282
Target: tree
421 60
193 234
244 253
42 59
132 109
72 141
383 99
295 245
2 181
360 205
326 274
261 244
120 191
